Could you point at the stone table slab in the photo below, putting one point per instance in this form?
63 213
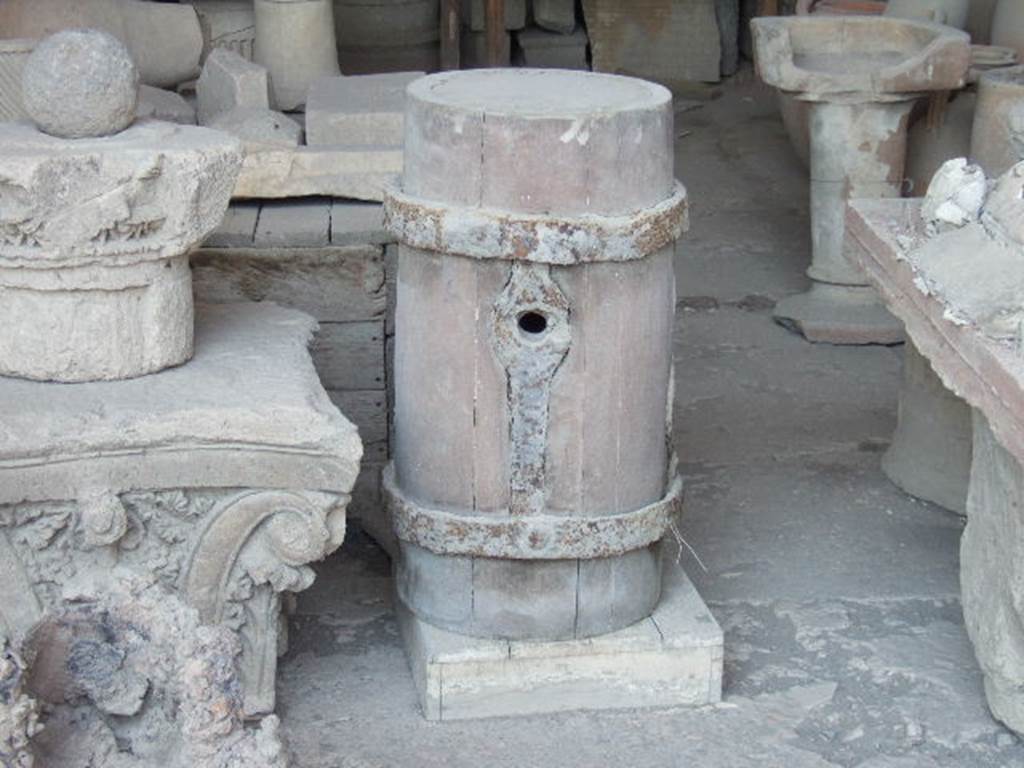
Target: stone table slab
248 410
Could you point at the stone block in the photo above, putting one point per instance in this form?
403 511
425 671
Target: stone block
350 356
671 659
228 82
474 14
423 57
159 104
555 15
238 227
551 50
360 173
295 41
225 494
94 279
259 129
386 23
663 41
355 223
363 110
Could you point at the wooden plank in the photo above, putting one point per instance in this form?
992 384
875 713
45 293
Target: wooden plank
238 227
350 355
339 284
495 32
294 223
450 24
367 409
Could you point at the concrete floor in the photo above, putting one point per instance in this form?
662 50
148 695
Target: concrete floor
838 594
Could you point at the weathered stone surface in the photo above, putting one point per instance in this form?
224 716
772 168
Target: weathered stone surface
360 173
131 678
223 497
551 50
229 24
929 146
259 128
164 38
19 712
80 83
365 110
229 82
164 105
555 15
424 57
354 223
367 24
473 50
990 553
294 224
663 41
93 242
295 41
13 55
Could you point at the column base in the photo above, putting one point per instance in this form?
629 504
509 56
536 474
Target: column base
839 314
671 659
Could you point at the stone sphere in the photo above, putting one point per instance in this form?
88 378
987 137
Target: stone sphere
80 83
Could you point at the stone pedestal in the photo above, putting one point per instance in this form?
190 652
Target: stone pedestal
861 76
535 308
991 553
295 41
222 479
930 455
94 237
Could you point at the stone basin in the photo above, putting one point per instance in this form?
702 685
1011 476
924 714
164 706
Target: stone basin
94 242
823 57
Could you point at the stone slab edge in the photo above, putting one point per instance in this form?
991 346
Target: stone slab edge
988 375
672 659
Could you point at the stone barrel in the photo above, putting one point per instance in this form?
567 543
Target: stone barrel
533 474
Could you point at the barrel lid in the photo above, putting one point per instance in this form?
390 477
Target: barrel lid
539 141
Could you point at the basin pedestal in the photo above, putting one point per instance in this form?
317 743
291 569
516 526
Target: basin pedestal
860 76
857 151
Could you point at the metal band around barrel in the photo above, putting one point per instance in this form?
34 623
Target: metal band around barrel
529 537
488 233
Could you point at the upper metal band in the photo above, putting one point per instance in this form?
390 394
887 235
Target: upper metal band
490 233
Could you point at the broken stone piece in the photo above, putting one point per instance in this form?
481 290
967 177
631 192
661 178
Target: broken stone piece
94 237
80 83
361 110
230 82
158 104
955 196
259 129
19 715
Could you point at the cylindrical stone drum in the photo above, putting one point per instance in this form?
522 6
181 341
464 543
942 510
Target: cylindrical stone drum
533 476
999 120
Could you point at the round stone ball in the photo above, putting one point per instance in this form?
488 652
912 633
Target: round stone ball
80 83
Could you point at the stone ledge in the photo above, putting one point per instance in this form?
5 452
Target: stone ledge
672 659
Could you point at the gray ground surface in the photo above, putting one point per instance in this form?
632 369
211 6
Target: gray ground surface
844 637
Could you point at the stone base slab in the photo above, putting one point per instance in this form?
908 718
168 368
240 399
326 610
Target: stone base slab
839 314
672 659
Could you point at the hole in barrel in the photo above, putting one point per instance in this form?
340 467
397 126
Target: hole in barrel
533 323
